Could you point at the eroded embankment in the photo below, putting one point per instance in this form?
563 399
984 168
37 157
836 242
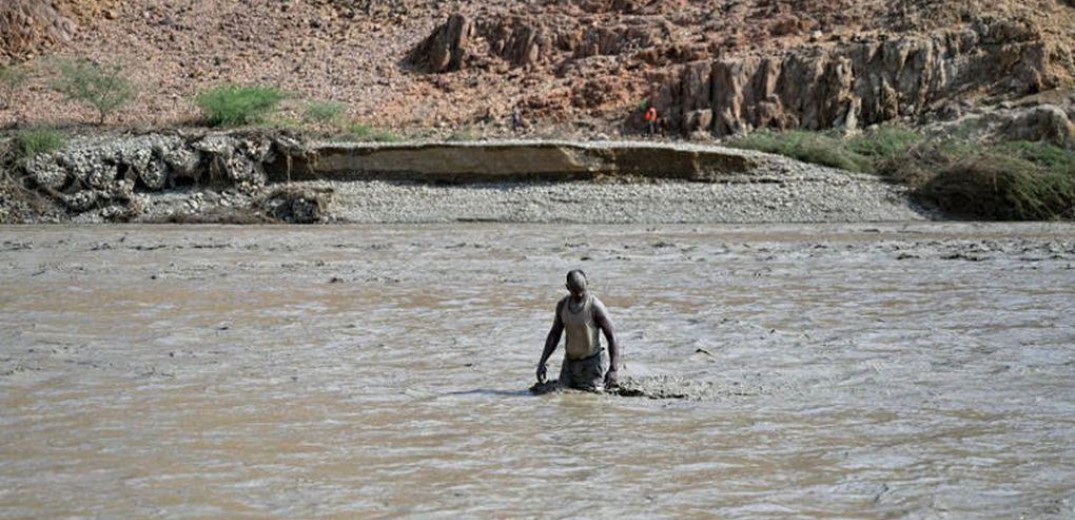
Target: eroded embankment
516 161
259 176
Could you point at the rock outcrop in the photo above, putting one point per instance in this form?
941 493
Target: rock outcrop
857 83
1046 123
446 49
103 175
28 26
725 68
571 67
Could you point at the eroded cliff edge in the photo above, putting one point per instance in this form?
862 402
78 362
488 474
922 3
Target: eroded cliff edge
277 177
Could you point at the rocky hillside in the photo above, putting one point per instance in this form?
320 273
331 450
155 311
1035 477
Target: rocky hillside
710 67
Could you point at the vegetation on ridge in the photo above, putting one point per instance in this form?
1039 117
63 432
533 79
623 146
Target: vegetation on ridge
31 143
862 153
1017 180
1007 181
232 105
324 112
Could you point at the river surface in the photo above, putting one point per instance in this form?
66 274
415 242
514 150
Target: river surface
854 371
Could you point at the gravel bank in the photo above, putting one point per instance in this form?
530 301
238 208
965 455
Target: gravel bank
227 183
782 190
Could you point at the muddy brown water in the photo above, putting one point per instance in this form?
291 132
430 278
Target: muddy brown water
852 371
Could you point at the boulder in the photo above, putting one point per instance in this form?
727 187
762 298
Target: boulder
182 163
46 172
446 49
1047 123
296 206
98 173
698 120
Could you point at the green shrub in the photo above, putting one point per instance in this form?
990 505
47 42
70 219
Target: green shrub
884 142
32 143
324 111
363 132
1009 181
232 105
1041 153
811 147
104 87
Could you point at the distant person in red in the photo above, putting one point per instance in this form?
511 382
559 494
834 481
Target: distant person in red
651 119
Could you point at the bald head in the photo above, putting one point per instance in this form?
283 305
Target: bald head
576 282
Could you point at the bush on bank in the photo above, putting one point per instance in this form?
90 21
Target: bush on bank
862 153
1008 181
1005 181
232 105
26 145
811 147
32 143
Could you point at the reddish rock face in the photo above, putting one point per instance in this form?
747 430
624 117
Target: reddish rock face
26 27
578 66
810 67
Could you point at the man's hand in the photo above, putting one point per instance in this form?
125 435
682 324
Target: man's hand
541 373
611 378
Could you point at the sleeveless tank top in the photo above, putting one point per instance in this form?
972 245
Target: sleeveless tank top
583 335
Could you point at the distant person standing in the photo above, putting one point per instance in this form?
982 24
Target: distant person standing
516 120
584 318
651 119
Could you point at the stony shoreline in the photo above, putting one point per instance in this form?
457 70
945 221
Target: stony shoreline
819 197
237 178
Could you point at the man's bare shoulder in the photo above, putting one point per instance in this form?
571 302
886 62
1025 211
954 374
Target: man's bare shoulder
599 309
597 303
560 304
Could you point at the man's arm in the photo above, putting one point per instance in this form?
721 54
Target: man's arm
551 341
605 323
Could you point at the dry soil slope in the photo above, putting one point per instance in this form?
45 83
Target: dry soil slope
718 65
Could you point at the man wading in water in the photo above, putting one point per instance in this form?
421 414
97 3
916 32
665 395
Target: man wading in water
581 314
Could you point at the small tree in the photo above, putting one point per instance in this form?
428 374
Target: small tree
11 78
104 87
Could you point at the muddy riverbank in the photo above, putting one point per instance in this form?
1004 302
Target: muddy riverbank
273 177
913 370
